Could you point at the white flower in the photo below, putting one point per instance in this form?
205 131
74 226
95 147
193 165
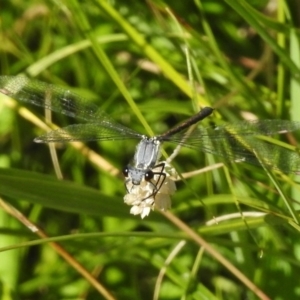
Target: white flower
144 197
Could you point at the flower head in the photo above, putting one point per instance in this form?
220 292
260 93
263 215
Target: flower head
151 194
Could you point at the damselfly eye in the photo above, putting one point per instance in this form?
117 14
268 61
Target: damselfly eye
125 171
149 175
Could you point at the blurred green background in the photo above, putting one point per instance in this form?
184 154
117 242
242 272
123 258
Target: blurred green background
149 65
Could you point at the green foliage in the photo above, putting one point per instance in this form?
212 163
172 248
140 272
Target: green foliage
149 65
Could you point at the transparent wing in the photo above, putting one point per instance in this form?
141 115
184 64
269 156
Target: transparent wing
85 132
242 141
62 101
